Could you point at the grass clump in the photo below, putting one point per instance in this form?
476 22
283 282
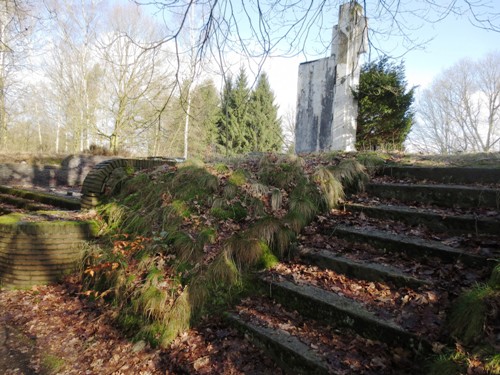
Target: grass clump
280 171
352 174
372 161
448 364
332 188
469 313
471 323
494 281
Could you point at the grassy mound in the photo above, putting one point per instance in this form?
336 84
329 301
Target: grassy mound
185 242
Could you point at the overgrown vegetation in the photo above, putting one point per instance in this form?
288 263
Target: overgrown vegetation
186 242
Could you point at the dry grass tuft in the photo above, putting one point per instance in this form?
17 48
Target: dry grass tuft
352 174
331 187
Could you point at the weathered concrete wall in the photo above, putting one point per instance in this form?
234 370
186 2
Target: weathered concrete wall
315 108
326 108
72 172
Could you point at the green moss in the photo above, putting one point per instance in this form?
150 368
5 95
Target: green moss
238 177
52 364
207 235
267 259
11 219
181 208
234 212
221 168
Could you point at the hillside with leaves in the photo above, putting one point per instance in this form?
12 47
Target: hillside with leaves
184 240
183 246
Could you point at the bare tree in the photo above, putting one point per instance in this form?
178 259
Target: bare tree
460 111
258 29
17 24
133 75
288 125
72 69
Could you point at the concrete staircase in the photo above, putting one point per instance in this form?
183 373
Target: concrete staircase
415 240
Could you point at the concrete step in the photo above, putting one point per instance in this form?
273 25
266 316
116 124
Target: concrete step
288 351
440 195
447 175
23 203
412 246
361 270
66 203
437 222
322 305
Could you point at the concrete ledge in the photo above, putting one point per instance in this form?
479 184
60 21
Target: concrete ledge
413 247
331 308
288 351
433 221
440 195
448 175
361 270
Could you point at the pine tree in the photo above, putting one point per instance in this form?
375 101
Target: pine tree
385 115
264 125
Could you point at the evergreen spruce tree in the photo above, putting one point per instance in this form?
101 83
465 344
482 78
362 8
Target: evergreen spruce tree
385 115
264 125
233 123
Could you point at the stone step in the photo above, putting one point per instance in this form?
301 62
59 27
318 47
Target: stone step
23 203
440 195
288 351
66 203
361 270
412 246
447 175
437 222
322 305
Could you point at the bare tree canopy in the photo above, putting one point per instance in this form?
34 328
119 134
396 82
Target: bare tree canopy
460 111
261 28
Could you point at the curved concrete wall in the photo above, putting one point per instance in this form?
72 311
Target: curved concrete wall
34 253
94 184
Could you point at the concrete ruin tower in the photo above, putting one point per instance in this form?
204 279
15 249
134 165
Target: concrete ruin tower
326 108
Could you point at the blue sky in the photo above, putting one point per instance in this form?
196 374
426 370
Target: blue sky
454 39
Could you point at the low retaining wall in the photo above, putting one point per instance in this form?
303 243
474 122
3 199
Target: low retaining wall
34 253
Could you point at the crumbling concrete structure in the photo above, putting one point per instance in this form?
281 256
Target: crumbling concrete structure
326 108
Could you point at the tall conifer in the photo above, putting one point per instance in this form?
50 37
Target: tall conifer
264 124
